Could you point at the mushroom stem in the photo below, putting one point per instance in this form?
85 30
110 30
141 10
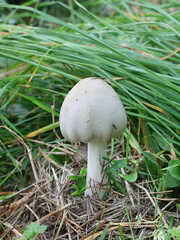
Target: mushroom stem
96 178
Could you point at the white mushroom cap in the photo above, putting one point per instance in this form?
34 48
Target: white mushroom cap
92 110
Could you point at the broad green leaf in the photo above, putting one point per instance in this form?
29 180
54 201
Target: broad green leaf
173 174
75 193
118 164
76 187
38 103
131 177
81 182
34 228
83 171
74 177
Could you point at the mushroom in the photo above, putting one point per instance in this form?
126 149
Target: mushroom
93 113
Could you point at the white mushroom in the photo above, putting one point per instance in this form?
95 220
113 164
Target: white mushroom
93 113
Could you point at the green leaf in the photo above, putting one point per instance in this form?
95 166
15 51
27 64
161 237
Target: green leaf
74 177
10 125
83 171
82 190
75 193
34 228
131 177
172 179
117 184
76 187
81 182
175 232
121 232
152 164
117 165
156 137
42 228
38 103
102 237
174 169
6 196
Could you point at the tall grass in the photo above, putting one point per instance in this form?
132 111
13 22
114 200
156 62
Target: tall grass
133 44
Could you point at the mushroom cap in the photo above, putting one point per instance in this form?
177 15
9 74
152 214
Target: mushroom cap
92 110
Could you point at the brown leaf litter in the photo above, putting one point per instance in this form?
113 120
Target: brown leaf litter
48 201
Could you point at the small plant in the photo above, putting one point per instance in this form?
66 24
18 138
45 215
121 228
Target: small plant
175 232
173 174
80 187
32 230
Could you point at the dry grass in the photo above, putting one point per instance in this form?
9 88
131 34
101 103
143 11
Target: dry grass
48 201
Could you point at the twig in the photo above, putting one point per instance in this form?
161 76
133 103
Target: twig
18 234
32 212
24 189
71 152
92 234
52 161
153 203
114 228
54 212
60 226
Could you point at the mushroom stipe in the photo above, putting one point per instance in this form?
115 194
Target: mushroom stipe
93 113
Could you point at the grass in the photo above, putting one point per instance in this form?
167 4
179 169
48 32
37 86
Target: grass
46 47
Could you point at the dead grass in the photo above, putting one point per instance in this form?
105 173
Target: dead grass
48 201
